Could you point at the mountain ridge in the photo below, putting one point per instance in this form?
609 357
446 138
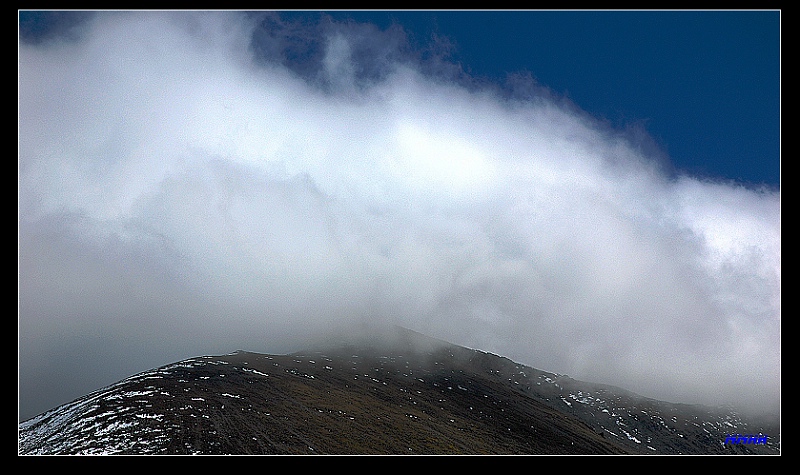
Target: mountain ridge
401 393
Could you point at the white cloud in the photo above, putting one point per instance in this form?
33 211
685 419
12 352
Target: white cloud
176 196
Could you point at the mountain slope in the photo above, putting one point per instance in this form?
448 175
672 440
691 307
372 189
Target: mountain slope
405 395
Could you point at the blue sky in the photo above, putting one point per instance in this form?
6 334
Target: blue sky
578 191
705 84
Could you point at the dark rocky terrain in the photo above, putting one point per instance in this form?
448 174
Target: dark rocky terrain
406 395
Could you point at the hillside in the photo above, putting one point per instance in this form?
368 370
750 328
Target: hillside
410 395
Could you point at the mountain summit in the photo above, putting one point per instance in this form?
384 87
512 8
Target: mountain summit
405 394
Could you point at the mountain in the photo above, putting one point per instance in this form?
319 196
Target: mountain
404 394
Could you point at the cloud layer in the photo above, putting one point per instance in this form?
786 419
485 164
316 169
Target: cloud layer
196 183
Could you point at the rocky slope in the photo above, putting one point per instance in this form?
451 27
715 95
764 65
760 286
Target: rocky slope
407 395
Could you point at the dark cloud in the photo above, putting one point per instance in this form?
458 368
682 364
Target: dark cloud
50 26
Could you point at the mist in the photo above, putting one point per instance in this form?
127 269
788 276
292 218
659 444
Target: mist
195 183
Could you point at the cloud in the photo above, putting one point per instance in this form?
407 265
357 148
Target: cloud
194 183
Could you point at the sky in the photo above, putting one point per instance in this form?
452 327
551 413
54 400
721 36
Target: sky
595 194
